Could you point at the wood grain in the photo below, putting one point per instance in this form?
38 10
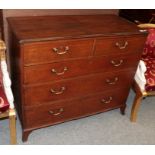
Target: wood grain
41 52
95 66
73 88
74 108
78 67
59 27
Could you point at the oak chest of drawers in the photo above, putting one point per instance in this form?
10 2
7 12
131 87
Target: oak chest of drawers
68 67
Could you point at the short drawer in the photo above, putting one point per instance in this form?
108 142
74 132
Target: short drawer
49 51
122 62
58 112
76 87
75 68
119 45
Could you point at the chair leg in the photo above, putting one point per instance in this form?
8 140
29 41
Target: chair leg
12 120
135 107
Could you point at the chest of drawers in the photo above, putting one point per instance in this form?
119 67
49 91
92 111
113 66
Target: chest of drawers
68 67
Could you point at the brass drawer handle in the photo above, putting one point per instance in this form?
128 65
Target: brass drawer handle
57 113
57 92
112 82
61 50
59 73
106 101
121 46
116 64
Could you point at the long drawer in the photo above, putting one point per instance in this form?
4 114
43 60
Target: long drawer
58 112
73 68
48 51
119 45
76 87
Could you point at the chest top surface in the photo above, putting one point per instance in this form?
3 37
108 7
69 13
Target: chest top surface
38 28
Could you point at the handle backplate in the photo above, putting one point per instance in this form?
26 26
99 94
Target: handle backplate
61 50
122 46
59 73
58 92
117 63
59 111
113 81
106 101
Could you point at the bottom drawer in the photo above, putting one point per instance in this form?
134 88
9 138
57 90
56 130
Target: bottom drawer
57 112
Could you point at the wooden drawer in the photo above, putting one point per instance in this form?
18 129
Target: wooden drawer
76 87
119 45
49 51
122 62
58 112
74 68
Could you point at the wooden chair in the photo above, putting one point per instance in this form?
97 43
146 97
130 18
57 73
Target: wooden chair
7 109
152 20
148 57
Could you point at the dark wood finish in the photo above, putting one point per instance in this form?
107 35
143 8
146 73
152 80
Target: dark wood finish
69 27
47 12
97 67
43 52
115 45
122 109
73 89
43 73
1 25
25 135
67 110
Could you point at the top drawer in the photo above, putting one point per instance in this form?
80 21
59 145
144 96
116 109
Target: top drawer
50 51
119 45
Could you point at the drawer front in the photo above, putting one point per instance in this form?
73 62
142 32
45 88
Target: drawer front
122 62
77 87
66 110
119 45
73 68
43 52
